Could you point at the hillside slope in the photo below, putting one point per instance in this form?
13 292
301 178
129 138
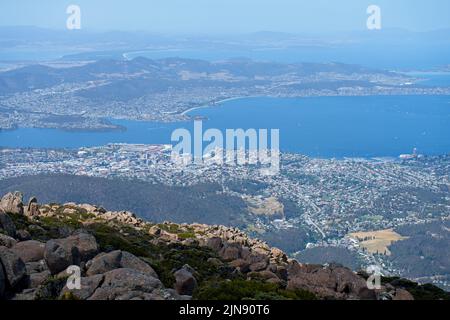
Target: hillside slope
122 257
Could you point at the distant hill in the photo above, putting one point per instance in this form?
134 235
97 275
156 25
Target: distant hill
200 203
150 76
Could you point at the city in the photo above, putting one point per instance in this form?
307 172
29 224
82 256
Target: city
332 197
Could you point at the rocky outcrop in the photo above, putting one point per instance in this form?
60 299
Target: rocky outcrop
329 282
32 208
117 254
12 203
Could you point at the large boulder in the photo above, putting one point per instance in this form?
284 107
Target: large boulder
185 282
61 253
12 203
7 241
215 243
257 261
401 294
132 262
36 267
327 282
14 267
241 265
125 284
105 262
266 275
88 287
32 208
7 225
29 251
231 252
37 279
86 245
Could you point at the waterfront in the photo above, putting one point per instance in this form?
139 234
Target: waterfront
372 126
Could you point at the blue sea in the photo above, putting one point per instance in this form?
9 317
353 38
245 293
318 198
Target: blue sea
374 126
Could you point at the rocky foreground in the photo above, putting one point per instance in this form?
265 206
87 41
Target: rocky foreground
122 257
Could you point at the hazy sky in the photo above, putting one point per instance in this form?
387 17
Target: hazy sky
227 16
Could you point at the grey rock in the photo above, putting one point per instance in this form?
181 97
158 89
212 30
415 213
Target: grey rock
132 262
401 294
32 208
215 243
88 287
327 282
14 267
119 283
257 262
185 282
7 241
7 224
258 266
118 259
230 252
241 265
36 267
86 245
61 253
104 262
29 251
12 203
37 279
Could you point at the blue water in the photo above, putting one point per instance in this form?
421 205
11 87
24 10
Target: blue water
432 79
374 126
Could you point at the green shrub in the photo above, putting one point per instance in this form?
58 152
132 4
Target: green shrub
419 292
239 289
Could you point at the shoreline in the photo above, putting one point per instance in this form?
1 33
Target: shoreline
216 103
375 159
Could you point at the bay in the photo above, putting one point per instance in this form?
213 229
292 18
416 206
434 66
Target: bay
372 126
